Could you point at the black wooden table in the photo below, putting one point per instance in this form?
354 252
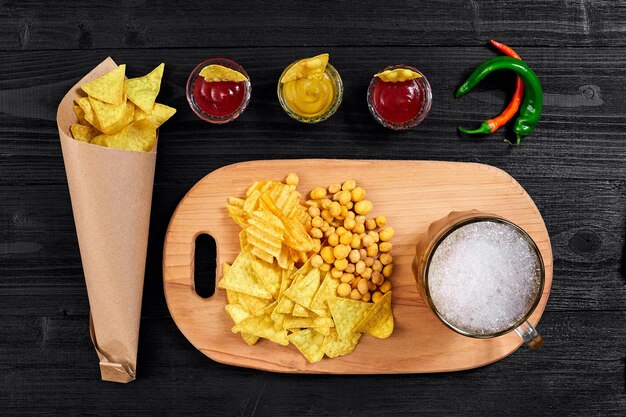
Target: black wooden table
574 166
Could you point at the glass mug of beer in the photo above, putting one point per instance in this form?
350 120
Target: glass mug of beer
481 275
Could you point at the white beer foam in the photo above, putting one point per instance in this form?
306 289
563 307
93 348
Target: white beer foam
484 277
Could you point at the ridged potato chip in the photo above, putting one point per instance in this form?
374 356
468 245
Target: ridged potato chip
108 88
143 90
309 343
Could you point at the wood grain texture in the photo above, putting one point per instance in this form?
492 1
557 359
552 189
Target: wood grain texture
138 24
412 194
572 166
579 85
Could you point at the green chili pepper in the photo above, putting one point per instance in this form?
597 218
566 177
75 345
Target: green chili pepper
530 110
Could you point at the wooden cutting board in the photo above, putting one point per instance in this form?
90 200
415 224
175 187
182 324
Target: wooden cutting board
411 194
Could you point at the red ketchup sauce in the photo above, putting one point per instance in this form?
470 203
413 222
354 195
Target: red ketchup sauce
220 98
398 102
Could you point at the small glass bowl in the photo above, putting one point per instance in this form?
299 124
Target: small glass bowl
228 63
428 99
334 76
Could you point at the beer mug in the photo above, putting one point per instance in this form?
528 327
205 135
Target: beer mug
481 275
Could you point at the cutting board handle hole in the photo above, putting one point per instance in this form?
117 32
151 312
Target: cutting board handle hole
204 266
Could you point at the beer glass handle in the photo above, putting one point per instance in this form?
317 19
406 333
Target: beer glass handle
529 335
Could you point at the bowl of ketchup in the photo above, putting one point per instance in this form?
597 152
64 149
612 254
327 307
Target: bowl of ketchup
399 105
218 101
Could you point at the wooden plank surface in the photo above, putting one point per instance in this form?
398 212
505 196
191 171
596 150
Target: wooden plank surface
131 24
427 192
573 166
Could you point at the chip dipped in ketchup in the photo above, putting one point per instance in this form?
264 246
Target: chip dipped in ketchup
218 90
399 97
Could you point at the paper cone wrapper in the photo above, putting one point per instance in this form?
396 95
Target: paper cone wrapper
111 192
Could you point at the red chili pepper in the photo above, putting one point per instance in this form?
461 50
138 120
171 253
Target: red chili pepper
492 125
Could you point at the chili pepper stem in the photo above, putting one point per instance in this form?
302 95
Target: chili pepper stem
484 129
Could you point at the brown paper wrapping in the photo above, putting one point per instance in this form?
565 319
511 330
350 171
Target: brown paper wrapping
111 193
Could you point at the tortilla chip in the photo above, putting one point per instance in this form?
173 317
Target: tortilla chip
83 133
309 343
305 322
108 88
327 290
80 115
252 303
334 346
143 90
269 275
160 114
262 326
239 314
241 276
89 115
300 311
323 330
112 117
347 314
138 136
285 305
214 73
378 322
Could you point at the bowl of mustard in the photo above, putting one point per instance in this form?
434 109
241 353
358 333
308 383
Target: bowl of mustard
310 90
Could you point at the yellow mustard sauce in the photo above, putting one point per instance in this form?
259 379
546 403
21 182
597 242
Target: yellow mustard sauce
309 97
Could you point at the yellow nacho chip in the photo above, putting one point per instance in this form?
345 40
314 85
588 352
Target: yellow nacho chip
239 314
80 115
347 314
159 114
83 133
299 311
241 277
306 322
262 325
89 115
137 136
143 90
309 343
306 68
397 75
304 288
285 305
323 330
378 322
108 88
112 117
270 276
253 304
327 290
214 73
334 346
